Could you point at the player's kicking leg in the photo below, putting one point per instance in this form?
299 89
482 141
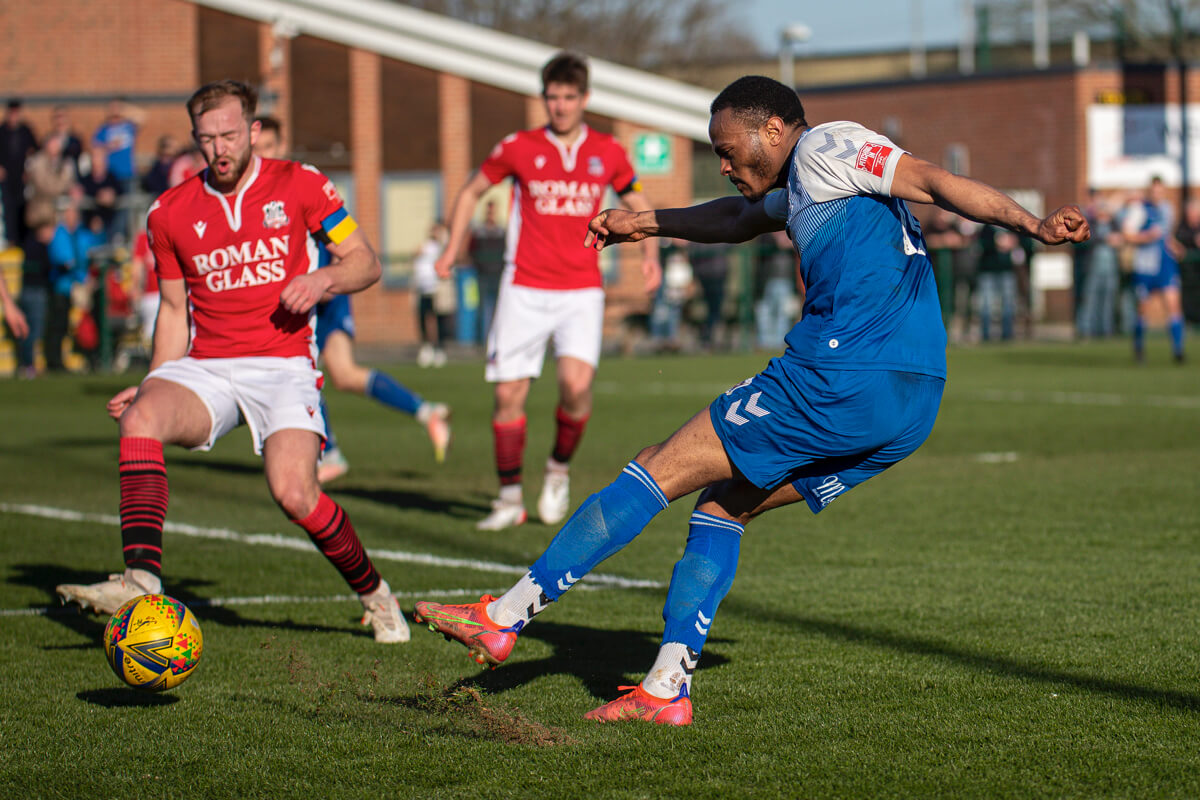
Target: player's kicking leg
602 525
162 412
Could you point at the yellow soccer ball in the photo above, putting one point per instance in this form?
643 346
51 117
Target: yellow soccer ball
153 642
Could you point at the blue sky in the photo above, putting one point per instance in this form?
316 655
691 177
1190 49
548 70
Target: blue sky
840 25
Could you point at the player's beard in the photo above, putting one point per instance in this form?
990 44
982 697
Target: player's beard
230 181
761 167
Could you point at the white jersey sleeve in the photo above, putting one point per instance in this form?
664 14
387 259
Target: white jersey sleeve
843 159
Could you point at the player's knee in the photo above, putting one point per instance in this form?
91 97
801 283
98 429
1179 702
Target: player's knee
141 420
296 499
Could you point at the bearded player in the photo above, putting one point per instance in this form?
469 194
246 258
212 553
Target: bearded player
551 288
234 342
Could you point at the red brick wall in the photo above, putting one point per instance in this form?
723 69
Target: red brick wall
410 108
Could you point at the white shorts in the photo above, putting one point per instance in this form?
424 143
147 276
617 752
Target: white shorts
527 318
269 394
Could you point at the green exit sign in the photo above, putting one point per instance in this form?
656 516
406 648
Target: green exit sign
652 153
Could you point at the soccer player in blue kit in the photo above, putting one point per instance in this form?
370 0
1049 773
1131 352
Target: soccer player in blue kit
856 390
335 343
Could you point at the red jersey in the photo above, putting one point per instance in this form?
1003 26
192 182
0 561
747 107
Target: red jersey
556 190
237 252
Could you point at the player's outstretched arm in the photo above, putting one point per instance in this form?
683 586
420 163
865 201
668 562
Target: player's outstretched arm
727 219
923 182
460 222
354 267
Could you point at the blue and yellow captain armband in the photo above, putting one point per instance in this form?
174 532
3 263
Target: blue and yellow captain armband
338 225
635 185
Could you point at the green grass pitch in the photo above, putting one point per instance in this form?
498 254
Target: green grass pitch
1011 612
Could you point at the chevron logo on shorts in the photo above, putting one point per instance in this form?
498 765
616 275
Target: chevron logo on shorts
752 407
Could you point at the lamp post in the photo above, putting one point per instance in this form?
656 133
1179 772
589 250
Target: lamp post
794 34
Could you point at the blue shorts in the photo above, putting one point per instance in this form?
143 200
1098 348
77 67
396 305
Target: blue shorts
823 431
334 316
1166 277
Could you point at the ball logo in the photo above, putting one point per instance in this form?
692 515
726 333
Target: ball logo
872 157
274 215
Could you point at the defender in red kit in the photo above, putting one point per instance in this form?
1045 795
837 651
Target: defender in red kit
235 253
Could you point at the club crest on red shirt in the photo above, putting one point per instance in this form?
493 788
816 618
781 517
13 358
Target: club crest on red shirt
274 215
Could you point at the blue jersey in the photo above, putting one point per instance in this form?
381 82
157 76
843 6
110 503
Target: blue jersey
871 301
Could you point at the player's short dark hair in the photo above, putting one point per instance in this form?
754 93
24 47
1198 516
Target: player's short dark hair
211 95
755 99
566 67
270 124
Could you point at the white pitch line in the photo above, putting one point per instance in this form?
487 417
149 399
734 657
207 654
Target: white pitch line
1188 402
261 600
295 543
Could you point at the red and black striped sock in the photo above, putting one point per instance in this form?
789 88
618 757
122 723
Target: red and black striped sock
567 435
510 450
330 530
143 502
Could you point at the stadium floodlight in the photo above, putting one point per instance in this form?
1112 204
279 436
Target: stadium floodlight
790 36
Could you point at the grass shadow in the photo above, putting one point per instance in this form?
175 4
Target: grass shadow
978 661
126 698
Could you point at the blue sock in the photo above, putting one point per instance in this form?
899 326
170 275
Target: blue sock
701 579
602 525
1139 336
386 390
330 439
1175 327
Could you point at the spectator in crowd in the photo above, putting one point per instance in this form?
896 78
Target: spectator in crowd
776 309
949 242
117 137
1102 273
157 178
433 316
102 190
710 264
60 127
35 282
673 292
1000 252
49 176
69 253
17 143
487 255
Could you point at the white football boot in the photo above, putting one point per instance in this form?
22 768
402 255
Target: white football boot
382 612
107 596
504 515
555 500
331 465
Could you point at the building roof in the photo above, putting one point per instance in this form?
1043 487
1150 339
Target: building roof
481 55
